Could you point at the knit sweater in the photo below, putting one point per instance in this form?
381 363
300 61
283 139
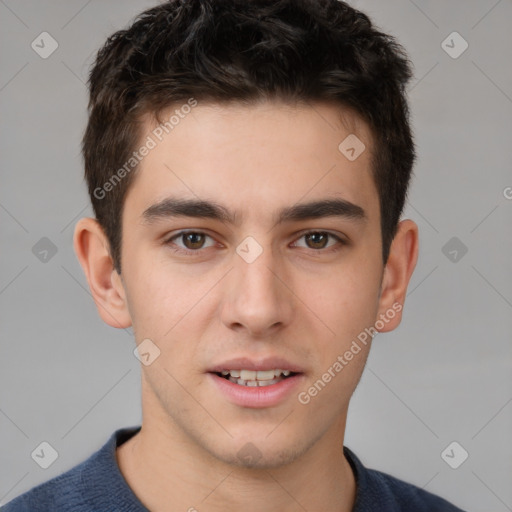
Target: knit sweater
97 485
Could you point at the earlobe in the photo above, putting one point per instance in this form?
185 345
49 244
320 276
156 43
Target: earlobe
92 250
401 262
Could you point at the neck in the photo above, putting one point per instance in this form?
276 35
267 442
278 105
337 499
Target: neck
163 466
160 471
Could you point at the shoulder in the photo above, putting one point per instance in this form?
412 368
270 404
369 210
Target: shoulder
59 493
378 491
84 487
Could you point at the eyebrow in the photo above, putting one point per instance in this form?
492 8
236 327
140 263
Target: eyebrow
171 207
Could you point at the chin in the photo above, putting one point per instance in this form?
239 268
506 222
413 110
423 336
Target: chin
260 453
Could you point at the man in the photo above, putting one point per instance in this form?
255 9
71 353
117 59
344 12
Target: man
248 163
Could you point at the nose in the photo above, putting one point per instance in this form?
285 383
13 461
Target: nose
258 298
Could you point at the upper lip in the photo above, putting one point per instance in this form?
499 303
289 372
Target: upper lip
246 363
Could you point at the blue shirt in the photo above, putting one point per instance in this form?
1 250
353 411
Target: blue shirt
97 485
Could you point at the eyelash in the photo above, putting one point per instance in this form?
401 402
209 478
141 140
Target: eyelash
180 250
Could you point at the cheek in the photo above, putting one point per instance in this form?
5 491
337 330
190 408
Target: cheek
346 301
168 306
347 306
154 301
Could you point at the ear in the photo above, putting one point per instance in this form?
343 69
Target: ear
92 249
402 259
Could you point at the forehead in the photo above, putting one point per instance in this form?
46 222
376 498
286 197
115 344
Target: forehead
256 158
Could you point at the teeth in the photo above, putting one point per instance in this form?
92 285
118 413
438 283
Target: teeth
263 383
255 383
247 375
265 375
253 378
255 375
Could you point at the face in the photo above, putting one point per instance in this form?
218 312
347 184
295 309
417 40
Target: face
255 277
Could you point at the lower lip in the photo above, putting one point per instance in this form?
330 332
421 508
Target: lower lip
265 396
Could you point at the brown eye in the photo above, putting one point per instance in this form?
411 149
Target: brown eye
193 240
188 242
317 240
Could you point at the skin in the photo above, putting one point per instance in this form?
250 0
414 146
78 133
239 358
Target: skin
299 300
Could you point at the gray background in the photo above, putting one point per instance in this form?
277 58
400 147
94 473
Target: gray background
443 376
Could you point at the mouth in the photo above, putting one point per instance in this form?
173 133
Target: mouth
253 378
263 383
257 382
